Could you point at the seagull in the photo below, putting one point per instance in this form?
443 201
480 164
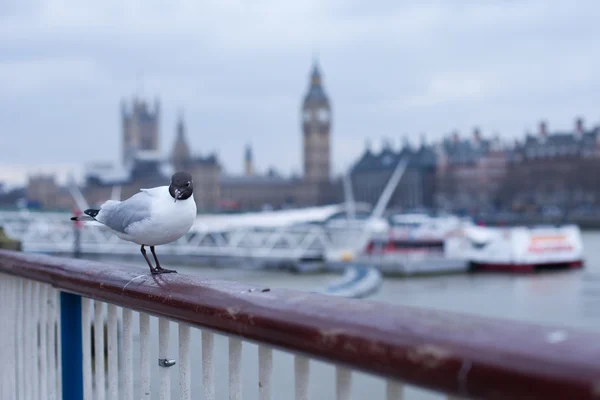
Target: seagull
151 217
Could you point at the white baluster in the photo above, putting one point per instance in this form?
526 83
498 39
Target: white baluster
14 298
4 307
302 370
59 349
5 340
99 378
343 382
145 356
265 368
16 328
12 339
163 353
21 334
208 368
394 390
235 361
43 321
185 382
28 339
127 354
34 379
113 360
86 347
51 340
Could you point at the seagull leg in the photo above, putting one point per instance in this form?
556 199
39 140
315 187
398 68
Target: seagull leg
143 250
159 269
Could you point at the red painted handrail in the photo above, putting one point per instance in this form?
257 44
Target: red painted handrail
449 352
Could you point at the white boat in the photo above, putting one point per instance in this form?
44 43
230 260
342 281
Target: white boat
417 227
522 248
419 244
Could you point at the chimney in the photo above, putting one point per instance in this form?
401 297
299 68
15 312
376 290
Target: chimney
579 126
543 129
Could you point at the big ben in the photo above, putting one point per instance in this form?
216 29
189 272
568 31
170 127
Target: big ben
316 127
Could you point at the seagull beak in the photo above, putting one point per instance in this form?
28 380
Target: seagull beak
177 194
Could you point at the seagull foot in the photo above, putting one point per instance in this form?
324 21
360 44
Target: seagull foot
159 271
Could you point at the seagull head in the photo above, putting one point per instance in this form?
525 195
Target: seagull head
181 187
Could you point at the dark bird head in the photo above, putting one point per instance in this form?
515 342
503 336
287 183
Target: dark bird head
181 186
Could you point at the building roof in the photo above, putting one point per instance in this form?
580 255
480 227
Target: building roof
256 180
464 151
316 96
556 144
387 159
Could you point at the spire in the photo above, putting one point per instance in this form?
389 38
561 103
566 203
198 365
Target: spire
315 77
180 126
316 94
248 155
181 155
248 163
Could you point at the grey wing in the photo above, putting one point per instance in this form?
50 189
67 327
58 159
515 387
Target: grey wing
119 215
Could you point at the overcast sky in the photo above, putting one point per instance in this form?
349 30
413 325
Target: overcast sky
239 69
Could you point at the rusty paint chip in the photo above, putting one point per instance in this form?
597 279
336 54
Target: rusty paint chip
429 356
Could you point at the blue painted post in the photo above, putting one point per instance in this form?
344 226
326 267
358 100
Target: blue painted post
72 353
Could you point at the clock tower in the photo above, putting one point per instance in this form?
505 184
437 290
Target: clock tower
316 127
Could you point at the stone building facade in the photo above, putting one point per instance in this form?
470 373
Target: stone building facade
140 128
554 169
470 171
416 188
316 130
205 170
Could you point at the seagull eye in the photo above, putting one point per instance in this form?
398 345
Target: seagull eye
187 184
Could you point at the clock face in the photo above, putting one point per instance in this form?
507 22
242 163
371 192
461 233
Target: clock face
323 115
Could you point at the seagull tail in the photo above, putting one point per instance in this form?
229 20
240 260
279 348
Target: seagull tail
83 218
90 215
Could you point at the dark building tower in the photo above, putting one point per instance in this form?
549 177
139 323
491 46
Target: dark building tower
181 156
248 162
140 129
316 126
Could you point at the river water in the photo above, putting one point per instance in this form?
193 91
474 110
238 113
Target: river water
570 298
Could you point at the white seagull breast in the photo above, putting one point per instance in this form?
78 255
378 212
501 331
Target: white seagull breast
151 217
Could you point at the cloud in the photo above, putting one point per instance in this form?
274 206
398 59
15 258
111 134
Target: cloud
239 71
30 77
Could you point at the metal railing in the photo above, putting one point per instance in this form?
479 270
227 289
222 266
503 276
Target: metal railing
48 305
